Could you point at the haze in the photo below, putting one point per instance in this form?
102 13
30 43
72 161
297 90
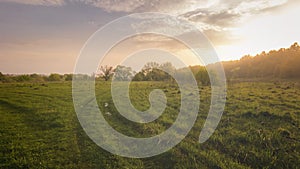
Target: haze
40 36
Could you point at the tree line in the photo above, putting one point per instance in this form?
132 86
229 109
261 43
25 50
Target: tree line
275 64
10 78
151 71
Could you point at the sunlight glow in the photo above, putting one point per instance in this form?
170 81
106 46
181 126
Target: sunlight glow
263 33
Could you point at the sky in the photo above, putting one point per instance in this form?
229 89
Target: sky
46 36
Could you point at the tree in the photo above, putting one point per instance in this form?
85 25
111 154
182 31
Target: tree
4 78
106 72
123 73
282 63
203 77
295 46
184 74
149 67
168 71
54 77
140 76
153 71
155 75
68 77
36 78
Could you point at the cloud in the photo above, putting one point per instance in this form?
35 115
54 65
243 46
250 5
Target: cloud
219 18
215 17
37 2
228 13
178 7
132 6
257 5
115 5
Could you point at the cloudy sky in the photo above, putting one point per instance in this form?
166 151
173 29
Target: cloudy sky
43 36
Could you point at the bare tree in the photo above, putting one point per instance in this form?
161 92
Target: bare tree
106 72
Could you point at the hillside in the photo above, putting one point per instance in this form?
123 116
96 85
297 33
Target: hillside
276 64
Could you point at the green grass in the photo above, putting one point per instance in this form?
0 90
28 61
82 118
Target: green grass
260 128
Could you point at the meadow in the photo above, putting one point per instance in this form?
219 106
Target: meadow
260 127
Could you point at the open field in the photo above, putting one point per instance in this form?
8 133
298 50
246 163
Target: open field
260 128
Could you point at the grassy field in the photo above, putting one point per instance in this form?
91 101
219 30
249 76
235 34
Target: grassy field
260 128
